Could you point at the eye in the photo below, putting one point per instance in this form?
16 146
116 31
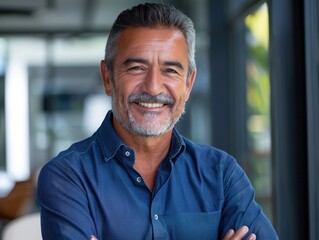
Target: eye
136 68
170 70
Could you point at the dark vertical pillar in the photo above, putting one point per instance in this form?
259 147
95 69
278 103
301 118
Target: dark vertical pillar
312 73
220 86
289 121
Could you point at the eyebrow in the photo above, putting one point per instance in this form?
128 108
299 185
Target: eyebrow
144 61
174 63
134 60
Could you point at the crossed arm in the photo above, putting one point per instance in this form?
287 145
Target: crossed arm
230 235
55 195
238 235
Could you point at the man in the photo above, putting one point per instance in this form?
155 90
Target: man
137 177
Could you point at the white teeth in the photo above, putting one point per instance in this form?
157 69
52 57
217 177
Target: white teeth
151 105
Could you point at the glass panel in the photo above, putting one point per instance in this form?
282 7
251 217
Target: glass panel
61 97
2 104
258 106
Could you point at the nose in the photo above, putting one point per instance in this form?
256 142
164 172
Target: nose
153 82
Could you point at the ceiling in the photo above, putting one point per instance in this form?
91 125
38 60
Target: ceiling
43 16
67 17
70 18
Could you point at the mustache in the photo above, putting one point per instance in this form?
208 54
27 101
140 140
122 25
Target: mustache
144 97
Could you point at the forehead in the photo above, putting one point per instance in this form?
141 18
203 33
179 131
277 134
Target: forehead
151 40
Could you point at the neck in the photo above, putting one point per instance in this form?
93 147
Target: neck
149 151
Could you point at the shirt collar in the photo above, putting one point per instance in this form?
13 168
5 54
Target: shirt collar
177 147
111 143
109 139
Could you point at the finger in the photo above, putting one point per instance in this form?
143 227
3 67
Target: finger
252 237
229 234
93 237
240 233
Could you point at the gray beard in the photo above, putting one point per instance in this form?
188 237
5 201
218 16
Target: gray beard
149 130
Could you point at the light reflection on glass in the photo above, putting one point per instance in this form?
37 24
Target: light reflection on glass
47 82
258 105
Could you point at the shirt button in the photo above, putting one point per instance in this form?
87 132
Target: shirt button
156 217
139 179
127 153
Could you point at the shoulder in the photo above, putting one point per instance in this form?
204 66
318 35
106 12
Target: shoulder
210 160
208 154
78 150
70 162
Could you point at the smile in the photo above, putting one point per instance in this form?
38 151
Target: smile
151 105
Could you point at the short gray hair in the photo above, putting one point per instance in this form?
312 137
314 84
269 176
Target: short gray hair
151 15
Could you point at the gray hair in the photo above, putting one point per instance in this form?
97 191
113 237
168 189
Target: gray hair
151 15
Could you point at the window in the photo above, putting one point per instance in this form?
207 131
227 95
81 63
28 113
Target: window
258 162
49 113
2 104
241 90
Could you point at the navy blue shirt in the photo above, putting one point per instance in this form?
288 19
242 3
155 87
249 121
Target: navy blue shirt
92 189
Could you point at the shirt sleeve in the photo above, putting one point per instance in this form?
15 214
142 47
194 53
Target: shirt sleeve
240 207
64 206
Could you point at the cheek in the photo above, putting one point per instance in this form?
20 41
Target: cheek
122 93
180 97
180 93
176 87
126 84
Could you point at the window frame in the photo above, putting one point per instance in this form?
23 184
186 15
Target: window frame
312 80
293 63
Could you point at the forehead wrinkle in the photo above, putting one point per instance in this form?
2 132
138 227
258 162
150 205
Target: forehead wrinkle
145 61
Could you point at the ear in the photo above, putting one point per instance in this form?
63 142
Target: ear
189 84
105 73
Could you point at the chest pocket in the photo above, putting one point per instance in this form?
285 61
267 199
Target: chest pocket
191 226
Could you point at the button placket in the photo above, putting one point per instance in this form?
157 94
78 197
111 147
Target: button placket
127 153
139 179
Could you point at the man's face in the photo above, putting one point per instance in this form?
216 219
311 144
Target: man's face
150 85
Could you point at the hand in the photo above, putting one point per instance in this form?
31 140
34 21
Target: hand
239 234
93 238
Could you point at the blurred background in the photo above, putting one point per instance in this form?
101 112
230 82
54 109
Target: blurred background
256 95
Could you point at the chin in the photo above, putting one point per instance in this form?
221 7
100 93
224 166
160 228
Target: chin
151 129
